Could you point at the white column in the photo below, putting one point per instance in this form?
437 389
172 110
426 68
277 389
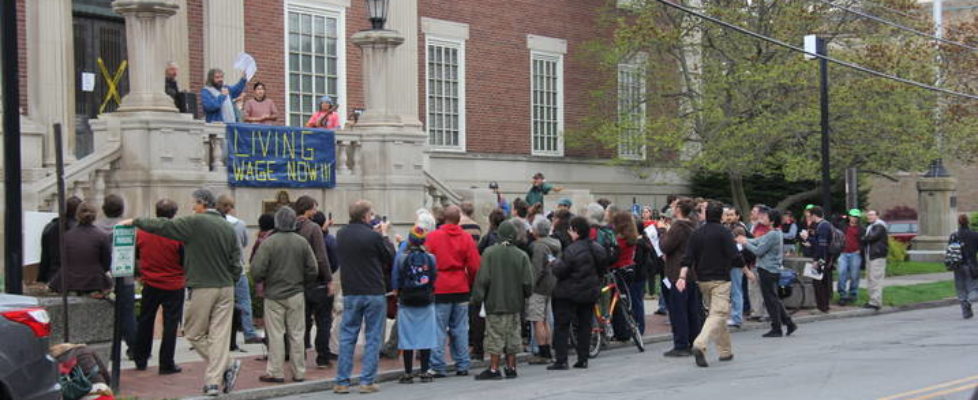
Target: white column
380 76
223 36
50 72
145 35
179 44
403 18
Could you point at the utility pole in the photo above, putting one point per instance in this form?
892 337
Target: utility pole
13 241
936 169
817 47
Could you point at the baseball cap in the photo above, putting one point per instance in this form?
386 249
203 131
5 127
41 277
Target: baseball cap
855 213
810 206
565 202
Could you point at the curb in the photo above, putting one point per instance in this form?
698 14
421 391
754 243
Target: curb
327 385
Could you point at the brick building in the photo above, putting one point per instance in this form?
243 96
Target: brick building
499 82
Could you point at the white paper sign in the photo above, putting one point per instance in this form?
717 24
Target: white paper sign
665 281
246 63
34 223
88 82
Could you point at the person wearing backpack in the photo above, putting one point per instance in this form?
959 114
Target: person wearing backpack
966 271
877 246
413 280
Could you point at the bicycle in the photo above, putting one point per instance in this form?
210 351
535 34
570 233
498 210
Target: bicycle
788 285
602 331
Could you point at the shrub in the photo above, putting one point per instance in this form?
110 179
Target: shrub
973 219
897 251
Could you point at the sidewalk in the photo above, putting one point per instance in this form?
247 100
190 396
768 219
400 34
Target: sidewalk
908 280
148 385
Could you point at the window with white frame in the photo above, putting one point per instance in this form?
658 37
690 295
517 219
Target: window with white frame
313 65
547 102
446 93
631 111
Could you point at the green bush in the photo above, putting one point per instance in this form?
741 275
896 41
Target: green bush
973 218
897 251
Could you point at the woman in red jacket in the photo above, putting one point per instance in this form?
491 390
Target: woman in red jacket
626 235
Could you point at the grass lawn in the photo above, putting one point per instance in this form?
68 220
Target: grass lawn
903 295
913 268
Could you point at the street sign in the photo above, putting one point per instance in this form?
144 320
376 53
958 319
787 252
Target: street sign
123 251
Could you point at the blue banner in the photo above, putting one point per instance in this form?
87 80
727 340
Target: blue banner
280 156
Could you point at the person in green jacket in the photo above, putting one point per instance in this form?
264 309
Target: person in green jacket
212 262
502 285
286 264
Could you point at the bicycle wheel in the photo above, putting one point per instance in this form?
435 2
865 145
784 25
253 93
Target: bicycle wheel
597 339
633 327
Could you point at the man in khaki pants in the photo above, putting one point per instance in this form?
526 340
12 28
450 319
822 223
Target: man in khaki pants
876 243
711 254
286 264
212 260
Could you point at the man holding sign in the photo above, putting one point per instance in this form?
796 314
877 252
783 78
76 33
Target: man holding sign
213 264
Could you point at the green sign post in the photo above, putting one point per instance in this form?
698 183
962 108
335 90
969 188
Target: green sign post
123 251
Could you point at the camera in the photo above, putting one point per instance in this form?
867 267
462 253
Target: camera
493 185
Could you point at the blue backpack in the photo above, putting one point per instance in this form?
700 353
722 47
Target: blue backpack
417 276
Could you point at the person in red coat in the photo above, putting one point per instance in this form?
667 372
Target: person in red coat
458 261
161 271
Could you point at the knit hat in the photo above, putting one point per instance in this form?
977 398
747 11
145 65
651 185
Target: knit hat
326 99
417 235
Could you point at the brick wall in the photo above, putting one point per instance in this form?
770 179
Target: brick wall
264 35
195 32
498 65
885 194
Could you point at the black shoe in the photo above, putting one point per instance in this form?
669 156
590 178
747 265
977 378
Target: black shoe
462 373
727 358
171 370
140 365
322 362
557 366
871 307
660 312
966 311
271 379
231 376
792 328
510 373
843 302
426 377
489 375
581 364
334 356
298 380
700 358
406 379
773 333
676 353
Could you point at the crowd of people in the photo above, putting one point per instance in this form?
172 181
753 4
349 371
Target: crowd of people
531 280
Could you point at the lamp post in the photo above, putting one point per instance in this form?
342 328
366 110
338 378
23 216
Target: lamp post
818 46
13 223
377 13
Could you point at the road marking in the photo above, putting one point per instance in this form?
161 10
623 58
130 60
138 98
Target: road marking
970 380
967 386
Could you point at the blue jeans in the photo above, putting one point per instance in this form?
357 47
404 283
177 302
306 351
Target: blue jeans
370 311
849 264
453 323
737 296
242 302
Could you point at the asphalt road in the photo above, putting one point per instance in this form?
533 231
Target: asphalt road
926 354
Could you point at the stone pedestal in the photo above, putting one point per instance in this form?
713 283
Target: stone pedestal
935 210
145 25
379 76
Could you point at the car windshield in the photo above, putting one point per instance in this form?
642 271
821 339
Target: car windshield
903 228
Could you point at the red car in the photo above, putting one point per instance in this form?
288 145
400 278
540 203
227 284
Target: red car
903 230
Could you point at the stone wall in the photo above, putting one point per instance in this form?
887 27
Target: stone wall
885 194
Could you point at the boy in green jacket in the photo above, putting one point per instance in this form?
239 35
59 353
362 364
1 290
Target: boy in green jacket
502 285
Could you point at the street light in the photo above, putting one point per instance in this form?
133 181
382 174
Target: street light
377 12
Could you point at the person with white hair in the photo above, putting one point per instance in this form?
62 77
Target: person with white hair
286 264
543 251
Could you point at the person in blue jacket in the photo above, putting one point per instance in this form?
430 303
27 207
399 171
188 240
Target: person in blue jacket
218 99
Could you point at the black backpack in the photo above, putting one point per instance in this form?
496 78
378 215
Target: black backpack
417 277
954 253
838 240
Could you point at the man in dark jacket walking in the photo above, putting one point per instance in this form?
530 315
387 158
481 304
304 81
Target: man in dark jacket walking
365 252
685 307
319 301
712 253
877 247
503 284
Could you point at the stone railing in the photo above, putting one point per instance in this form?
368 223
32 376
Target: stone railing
348 145
85 178
439 193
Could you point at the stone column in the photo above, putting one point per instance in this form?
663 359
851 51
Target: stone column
935 214
51 72
403 18
145 23
223 36
379 75
179 44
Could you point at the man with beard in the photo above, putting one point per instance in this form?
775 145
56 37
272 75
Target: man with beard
218 99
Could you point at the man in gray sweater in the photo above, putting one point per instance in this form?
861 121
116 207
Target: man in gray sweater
294 267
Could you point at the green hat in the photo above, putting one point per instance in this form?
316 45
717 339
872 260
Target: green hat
855 213
810 206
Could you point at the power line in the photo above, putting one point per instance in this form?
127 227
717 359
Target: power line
898 26
826 58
